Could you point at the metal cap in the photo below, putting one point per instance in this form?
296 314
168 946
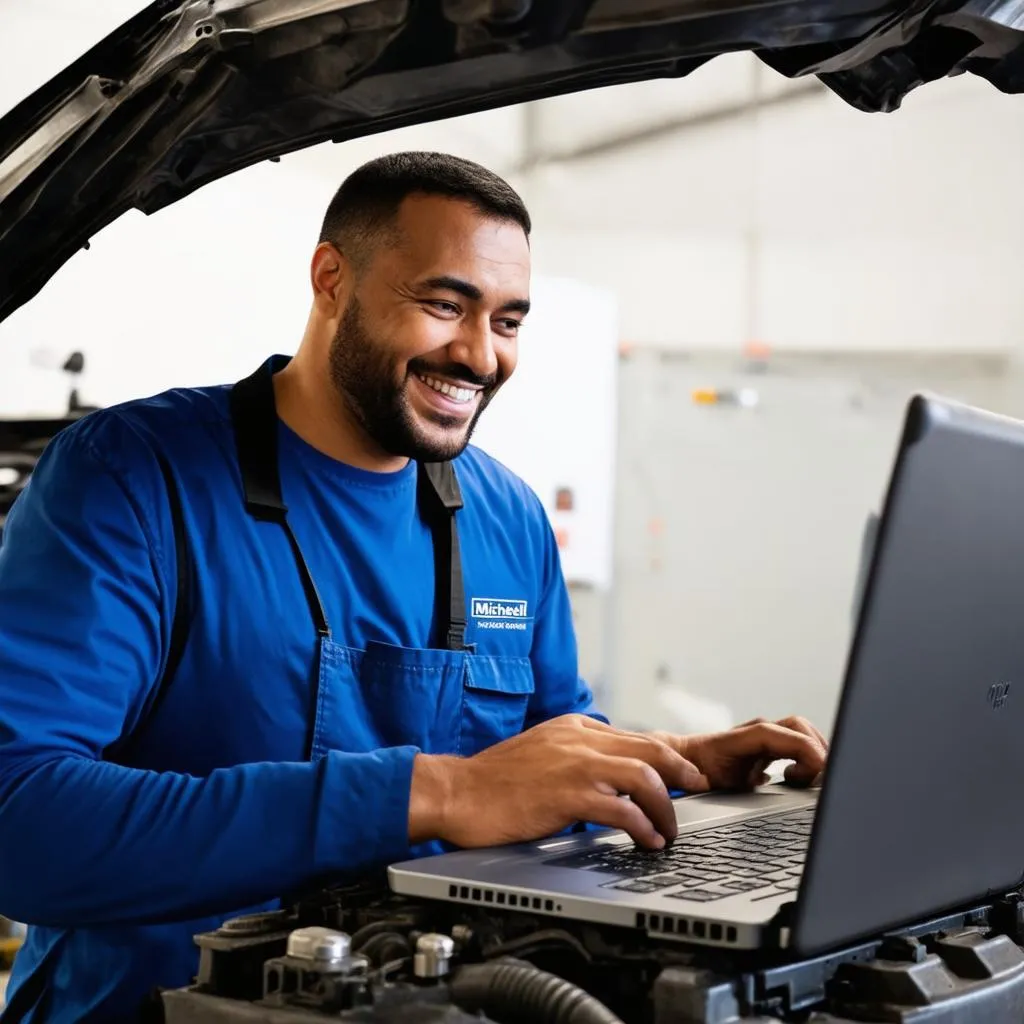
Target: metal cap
319 945
433 955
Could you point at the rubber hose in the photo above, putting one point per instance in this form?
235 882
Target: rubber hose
360 937
517 993
384 947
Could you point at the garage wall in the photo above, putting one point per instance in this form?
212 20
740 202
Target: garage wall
40 38
804 224
807 225
738 530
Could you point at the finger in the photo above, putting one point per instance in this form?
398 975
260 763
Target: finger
796 723
798 776
795 774
774 742
674 769
643 785
616 812
758 773
801 724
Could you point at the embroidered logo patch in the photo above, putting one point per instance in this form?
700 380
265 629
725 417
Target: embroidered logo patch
500 613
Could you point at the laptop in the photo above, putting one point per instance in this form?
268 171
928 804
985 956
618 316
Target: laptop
920 808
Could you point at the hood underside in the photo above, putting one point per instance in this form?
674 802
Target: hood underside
186 93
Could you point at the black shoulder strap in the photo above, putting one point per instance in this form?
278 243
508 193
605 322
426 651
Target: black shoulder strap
439 497
254 419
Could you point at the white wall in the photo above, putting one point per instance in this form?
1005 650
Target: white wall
39 39
739 529
808 226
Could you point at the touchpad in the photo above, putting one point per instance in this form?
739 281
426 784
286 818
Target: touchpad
697 810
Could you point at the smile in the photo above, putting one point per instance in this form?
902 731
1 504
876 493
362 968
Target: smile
450 391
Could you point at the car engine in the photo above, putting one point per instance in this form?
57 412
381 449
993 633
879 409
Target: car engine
360 954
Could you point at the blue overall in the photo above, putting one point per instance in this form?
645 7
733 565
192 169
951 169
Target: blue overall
278 756
374 697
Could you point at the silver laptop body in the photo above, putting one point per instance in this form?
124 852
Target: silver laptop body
725 882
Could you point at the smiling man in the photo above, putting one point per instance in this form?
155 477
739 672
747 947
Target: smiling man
246 632
425 292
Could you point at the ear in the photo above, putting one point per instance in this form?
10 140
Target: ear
331 277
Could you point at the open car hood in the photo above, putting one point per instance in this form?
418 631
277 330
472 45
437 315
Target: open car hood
186 92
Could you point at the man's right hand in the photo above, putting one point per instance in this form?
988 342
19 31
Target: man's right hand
540 782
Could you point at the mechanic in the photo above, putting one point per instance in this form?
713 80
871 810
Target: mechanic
243 646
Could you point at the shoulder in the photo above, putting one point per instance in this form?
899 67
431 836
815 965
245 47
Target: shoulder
107 465
176 418
126 438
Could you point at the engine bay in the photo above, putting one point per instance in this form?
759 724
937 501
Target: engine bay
361 954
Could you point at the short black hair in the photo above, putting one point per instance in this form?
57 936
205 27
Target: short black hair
365 207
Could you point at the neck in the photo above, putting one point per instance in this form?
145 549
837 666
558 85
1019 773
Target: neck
310 405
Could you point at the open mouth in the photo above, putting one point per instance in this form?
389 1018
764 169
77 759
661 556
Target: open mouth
452 392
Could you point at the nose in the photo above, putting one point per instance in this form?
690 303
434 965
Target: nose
474 348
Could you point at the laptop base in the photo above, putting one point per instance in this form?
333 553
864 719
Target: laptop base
700 890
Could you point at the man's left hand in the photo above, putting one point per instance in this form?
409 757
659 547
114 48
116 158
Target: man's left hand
739 757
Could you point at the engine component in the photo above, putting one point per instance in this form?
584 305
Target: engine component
515 992
318 970
364 956
320 946
433 956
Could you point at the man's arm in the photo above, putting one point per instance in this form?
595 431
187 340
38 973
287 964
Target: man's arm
86 593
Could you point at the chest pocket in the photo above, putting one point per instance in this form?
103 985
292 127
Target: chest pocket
444 702
495 697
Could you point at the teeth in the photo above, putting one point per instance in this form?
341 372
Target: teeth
449 390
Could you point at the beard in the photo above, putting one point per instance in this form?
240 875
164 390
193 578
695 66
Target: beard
374 392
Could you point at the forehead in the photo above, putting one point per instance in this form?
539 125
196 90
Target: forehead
437 236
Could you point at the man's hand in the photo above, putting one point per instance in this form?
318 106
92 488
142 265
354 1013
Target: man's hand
563 771
574 768
738 758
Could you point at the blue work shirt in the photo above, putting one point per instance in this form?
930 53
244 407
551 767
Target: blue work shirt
248 779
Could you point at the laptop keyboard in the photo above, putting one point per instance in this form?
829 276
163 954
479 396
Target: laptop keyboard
761 857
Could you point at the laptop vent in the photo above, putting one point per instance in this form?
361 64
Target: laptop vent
665 924
503 898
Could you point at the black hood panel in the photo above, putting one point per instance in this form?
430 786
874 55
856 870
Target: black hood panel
185 93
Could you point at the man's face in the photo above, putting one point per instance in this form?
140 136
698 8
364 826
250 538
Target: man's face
429 332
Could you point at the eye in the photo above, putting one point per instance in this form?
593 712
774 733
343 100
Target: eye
510 326
448 308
